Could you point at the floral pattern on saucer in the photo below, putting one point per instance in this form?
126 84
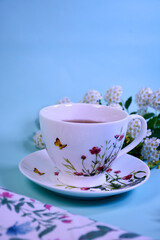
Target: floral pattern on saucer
114 180
125 174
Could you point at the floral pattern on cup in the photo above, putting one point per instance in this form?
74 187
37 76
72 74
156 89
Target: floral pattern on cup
101 161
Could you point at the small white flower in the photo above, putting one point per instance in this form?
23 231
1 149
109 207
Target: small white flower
64 100
134 127
149 150
113 95
143 97
155 100
116 105
149 133
92 96
38 141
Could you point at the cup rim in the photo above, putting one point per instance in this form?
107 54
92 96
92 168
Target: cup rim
43 114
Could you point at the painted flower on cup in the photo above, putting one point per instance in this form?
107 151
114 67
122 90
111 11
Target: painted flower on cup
100 158
95 150
119 137
101 169
78 173
109 170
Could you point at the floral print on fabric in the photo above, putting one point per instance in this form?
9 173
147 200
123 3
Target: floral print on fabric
28 218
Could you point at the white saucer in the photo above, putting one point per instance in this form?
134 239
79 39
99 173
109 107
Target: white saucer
127 173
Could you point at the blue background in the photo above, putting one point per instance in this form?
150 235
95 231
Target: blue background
51 49
55 48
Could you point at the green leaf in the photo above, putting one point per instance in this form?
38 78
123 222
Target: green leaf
46 231
38 228
148 115
156 133
96 234
133 113
129 235
99 101
48 214
69 163
115 185
21 199
157 124
18 207
9 207
151 123
128 103
67 160
68 166
36 212
30 204
158 148
121 104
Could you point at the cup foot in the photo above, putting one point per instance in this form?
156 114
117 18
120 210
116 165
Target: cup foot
81 181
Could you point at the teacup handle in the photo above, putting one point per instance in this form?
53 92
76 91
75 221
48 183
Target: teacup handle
140 136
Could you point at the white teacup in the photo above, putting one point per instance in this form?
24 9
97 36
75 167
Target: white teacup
83 140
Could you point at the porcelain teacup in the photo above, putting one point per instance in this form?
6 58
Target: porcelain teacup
83 140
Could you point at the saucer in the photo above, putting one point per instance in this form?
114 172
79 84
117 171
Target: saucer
127 173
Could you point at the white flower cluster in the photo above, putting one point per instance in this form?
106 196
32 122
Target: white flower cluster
92 96
38 141
113 95
149 150
64 100
145 98
134 127
155 100
116 105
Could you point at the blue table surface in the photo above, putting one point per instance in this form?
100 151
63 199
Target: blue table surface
135 211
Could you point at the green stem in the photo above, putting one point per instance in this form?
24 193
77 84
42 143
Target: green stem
87 171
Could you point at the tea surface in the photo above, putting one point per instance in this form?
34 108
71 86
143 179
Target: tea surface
82 121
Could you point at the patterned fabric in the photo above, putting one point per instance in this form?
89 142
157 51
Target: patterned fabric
23 218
